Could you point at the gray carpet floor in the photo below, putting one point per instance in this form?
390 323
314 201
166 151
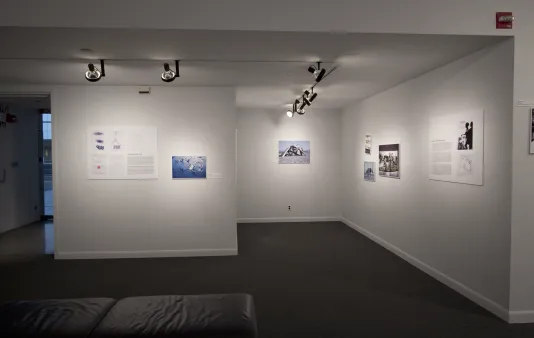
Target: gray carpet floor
308 280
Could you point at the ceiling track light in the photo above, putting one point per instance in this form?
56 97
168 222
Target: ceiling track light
94 74
304 103
317 72
168 74
291 113
310 95
299 109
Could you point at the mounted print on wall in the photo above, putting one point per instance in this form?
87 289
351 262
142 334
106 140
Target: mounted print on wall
368 142
389 164
532 131
456 149
189 167
294 152
369 170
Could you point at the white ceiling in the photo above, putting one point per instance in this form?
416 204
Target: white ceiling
269 69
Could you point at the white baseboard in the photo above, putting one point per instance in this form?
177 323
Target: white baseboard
288 219
520 317
145 254
481 300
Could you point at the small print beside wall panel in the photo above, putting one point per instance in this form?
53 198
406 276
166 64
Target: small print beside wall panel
369 170
457 147
189 167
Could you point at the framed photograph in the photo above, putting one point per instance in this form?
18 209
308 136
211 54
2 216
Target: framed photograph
368 143
294 152
369 169
189 167
389 160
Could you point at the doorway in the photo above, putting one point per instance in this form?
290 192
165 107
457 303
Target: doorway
45 160
26 198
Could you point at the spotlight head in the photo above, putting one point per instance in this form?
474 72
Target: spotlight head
290 113
309 96
317 72
168 74
93 74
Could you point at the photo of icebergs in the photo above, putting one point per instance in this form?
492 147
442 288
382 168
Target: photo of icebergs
188 167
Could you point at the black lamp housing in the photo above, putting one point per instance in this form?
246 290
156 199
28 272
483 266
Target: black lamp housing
168 74
310 96
318 72
94 74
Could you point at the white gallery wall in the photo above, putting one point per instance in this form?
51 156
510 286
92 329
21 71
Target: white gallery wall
266 189
145 218
459 233
20 194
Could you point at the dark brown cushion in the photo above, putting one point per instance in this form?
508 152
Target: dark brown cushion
213 316
53 318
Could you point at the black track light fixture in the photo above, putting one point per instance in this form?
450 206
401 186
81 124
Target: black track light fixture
299 109
310 95
317 71
168 74
291 112
304 103
94 74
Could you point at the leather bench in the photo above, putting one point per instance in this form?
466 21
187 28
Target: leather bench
71 318
214 316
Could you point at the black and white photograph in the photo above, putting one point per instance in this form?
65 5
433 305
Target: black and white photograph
388 156
465 140
369 169
294 152
368 141
456 152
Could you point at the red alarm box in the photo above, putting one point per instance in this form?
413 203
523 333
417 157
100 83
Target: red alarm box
504 20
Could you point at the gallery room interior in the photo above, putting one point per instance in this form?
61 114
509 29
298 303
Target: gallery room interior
242 174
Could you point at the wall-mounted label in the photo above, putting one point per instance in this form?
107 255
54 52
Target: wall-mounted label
525 103
215 175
